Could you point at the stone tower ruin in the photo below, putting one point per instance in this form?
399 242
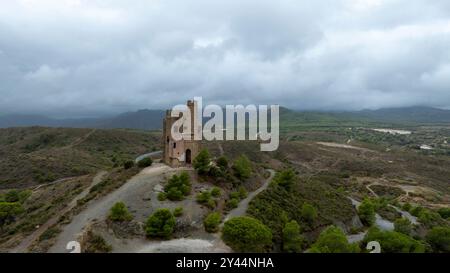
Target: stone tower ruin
182 152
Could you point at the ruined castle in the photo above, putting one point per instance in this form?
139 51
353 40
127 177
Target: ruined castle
182 152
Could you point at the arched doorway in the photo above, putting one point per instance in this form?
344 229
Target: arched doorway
188 156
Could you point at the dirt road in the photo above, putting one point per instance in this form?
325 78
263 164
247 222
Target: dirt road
26 243
100 208
133 193
201 242
155 153
243 205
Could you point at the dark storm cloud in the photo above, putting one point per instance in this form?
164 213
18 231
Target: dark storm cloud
81 57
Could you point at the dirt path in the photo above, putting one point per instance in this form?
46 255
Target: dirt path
370 189
243 205
99 209
221 152
201 242
26 243
155 153
149 178
344 146
55 182
80 139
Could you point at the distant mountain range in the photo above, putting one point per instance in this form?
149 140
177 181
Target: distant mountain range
152 119
142 119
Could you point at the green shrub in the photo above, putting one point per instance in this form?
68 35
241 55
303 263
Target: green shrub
444 212
174 194
246 234
403 225
285 178
160 224
222 163
216 192
406 207
162 196
119 213
177 212
8 212
178 187
215 171
212 222
145 162
96 244
238 195
128 164
439 239
204 197
242 167
430 218
202 162
292 239
416 211
242 193
366 212
394 242
333 240
232 203
211 203
12 196
308 213
235 195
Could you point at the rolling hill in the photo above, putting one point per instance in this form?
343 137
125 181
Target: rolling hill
152 119
35 155
142 120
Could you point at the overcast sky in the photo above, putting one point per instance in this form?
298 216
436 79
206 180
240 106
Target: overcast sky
89 57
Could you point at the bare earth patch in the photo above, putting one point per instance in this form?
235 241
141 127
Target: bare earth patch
344 146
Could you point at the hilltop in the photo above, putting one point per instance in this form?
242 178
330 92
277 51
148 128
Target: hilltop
35 155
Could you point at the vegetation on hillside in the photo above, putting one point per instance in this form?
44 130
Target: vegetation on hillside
310 204
119 213
160 224
439 239
394 242
242 167
35 155
178 187
293 241
94 243
246 234
366 212
212 222
333 240
146 162
308 195
202 162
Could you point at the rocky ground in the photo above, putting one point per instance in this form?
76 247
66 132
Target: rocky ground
140 195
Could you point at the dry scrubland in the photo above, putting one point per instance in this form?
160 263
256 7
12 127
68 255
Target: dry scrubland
51 167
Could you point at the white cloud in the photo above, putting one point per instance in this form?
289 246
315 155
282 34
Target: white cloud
46 74
110 56
208 42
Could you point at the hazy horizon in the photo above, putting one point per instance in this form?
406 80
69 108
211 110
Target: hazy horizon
63 116
79 58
